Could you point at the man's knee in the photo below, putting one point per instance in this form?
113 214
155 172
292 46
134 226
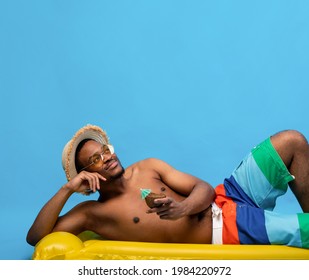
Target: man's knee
291 138
288 143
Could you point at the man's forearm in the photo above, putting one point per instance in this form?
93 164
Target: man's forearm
47 217
200 198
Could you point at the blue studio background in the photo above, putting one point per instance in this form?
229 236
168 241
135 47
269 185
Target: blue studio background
195 83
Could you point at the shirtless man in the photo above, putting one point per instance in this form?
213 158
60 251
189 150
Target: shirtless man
239 211
120 213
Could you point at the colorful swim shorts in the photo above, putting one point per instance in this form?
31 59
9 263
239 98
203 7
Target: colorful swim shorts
248 197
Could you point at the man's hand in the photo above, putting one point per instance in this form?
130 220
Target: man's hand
85 182
169 209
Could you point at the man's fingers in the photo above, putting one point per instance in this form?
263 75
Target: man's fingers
167 200
100 176
93 180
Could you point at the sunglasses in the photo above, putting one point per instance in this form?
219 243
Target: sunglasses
97 160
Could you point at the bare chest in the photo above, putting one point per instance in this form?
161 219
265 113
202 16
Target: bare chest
126 218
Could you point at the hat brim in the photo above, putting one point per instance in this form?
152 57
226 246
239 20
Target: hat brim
90 132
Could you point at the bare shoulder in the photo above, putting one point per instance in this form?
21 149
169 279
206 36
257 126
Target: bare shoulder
90 209
153 163
86 206
155 168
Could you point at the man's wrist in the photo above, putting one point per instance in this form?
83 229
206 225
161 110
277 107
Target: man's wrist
66 188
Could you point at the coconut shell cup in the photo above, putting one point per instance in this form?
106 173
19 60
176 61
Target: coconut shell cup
151 197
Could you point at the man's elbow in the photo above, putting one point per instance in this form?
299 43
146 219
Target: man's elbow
210 193
32 239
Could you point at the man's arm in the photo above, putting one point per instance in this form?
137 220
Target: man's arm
46 220
199 194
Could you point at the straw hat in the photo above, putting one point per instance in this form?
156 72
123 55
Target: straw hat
91 132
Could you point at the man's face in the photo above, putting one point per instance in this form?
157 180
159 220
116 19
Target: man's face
94 157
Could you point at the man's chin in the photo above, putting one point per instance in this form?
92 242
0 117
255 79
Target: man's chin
118 174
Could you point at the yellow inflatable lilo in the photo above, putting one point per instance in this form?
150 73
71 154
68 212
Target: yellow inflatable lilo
88 246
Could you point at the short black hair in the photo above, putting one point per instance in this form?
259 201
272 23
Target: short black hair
79 147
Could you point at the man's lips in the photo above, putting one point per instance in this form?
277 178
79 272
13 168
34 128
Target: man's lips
111 165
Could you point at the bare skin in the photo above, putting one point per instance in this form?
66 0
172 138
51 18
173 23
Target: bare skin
293 148
121 214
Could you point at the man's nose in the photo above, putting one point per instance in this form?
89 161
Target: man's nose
106 157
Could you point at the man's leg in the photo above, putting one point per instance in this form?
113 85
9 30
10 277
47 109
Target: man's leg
293 148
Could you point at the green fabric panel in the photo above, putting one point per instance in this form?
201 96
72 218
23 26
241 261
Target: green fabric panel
271 165
303 220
